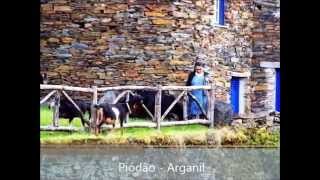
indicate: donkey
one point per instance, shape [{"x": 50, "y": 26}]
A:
[{"x": 69, "y": 111}]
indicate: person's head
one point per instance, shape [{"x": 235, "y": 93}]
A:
[{"x": 199, "y": 67}]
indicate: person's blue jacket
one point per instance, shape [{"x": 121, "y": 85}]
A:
[{"x": 192, "y": 74}]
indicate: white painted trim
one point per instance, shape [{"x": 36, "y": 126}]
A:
[
  {"x": 215, "y": 22},
  {"x": 266, "y": 64},
  {"x": 217, "y": 12},
  {"x": 275, "y": 90},
  {"x": 274, "y": 79},
  {"x": 242, "y": 90},
  {"x": 271, "y": 81},
  {"x": 267, "y": 4},
  {"x": 220, "y": 26},
  {"x": 241, "y": 74}
]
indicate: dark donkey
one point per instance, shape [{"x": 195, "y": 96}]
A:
[
  {"x": 222, "y": 110},
  {"x": 108, "y": 113},
  {"x": 69, "y": 111},
  {"x": 176, "y": 113}
]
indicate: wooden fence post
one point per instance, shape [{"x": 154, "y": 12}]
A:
[
  {"x": 93, "y": 121},
  {"x": 185, "y": 106},
  {"x": 211, "y": 105},
  {"x": 127, "y": 100},
  {"x": 55, "y": 120},
  {"x": 157, "y": 107}
]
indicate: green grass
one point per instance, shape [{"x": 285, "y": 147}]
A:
[
  {"x": 46, "y": 118},
  {"x": 144, "y": 136},
  {"x": 176, "y": 135}
]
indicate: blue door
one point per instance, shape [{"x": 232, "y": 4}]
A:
[
  {"x": 235, "y": 82},
  {"x": 278, "y": 90}
]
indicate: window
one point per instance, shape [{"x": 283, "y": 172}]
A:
[
  {"x": 237, "y": 94},
  {"x": 277, "y": 90},
  {"x": 220, "y": 7}
]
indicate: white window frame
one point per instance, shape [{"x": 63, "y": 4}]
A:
[
  {"x": 217, "y": 12},
  {"x": 215, "y": 22}
]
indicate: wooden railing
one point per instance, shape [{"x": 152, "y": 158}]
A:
[{"x": 156, "y": 116}]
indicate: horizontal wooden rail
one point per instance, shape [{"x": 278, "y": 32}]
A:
[
  {"x": 67, "y": 88},
  {"x": 184, "y": 87},
  {"x": 162, "y": 124},
  {"x": 193, "y": 121},
  {"x": 130, "y": 125},
  {"x": 60, "y": 128},
  {"x": 153, "y": 88},
  {"x": 127, "y": 88}
]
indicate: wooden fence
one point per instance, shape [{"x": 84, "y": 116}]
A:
[{"x": 156, "y": 116}]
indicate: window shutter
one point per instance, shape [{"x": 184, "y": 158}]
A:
[
  {"x": 278, "y": 90},
  {"x": 235, "y": 83}
]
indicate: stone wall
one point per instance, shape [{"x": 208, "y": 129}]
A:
[
  {"x": 120, "y": 42},
  {"x": 232, "y": 46},
  {"x": 265, "y": 48},
  {"x": 148, "y": 42}
]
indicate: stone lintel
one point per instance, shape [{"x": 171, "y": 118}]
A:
[
  {"x": 241, "y": 74},
  {"x": 266, "y": 64}
]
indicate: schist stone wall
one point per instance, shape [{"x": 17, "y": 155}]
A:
[
  {"x": 266, "y": 55},
  {"x": 149, "y": 42}
]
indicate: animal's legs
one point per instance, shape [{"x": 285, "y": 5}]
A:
[
  {"x": 98, "y": 127},
  {"x": 70, "y": 120},
  {"x": 121, "y": 123},
  {"x": 84, "y": 122},
  {"x": 89, "y": 114},
  {"x": 99, "y": 115}
]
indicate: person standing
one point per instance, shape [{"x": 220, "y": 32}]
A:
[{"x": 198, "y": 78}]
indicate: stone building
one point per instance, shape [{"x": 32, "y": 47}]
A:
[{"x": 148, "y": 42}]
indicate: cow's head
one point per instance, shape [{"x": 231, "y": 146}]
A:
[{"x": 135, "y": 101}]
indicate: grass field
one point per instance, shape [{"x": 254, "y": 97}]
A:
[{"x": 175, "y": 135}]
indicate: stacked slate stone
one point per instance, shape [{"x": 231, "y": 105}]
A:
[{"x": 149, "y": 42}]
